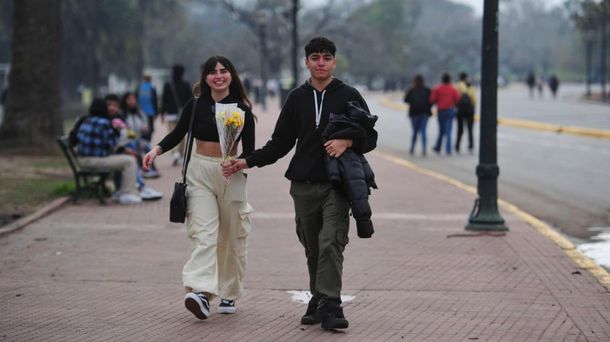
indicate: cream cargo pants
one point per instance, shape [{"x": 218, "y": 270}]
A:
[{"x": 218, "y": 224}]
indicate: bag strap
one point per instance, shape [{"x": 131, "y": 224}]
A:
[
  {"x": 189, "y": 143},
  {"x": 175, "y": 96}
]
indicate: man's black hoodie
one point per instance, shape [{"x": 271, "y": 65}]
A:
[{"x": 297, "y": 123}]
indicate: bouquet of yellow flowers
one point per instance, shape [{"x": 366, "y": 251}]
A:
[{"x": 230, "y": 121}]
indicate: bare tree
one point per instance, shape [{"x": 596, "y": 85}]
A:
[{"x": 32, "y": 106}]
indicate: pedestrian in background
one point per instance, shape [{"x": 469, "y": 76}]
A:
[
  {"x": 465, "y": 111},
  {"x": 176, "y": 93},
  {"x": 128, "y": 145},
  {"x": 137, "y": 124},
  {"x": 530, "y": 80},
  {"x": 418, "y": 99},
  {"x": 217, "y": 217},
  {"x": 445, "y": 97},
  {"x": 147, "y": 100},
  {"x": 554, "y": 85}
]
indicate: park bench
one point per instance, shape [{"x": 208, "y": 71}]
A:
[{"x": 87, "y": 180}]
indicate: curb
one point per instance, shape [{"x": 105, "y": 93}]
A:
[
  {"x": 24, "y": 221},
  {"x": 519, "y": 123},
  {"x": 568, "y": 247}
]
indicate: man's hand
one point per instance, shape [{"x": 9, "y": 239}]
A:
[
  {"x": 336, "y": 147},
  {"x": 232, "y": 166}
]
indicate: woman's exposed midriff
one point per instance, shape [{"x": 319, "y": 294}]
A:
[{"x": 211, "y": 149}]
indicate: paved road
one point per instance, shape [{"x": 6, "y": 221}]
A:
[
  {"x": 562, "y": 179},
  {"x": 567, "y": 109}
]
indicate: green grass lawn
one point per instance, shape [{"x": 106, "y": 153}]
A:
[{"x": 28, "y": 182}]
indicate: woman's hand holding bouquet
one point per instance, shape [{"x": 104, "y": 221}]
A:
[{"x": 230, "y": 121}]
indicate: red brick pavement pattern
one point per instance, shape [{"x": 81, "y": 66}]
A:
[{"x": 112, "y": 273}]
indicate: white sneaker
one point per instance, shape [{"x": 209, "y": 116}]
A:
[
  {"x": 150, "y": 194},
  {"x": 128, "y": 198},
  {"x": 116, "y": 195},
  {"x": 151, "y": 174}
]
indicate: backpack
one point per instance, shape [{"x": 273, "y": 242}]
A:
[
  {"x": 465, "y": 105},
  {"x": 73, "y": 135}
]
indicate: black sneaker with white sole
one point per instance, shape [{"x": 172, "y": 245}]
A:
[
  {"x": 331, "y": 314},
  {"x": 312, "y": 316},
  {"x": 227, "y": 306},
  {"x": 198, "y": 304}
]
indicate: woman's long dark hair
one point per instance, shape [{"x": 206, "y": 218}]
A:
[
  {"x": 418, "y": 82},
  {"x": 201, "y": 88},
  {"x": 124, "y": 106}
]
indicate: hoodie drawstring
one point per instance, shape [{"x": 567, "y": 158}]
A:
[{"x": 318, "y": 110}]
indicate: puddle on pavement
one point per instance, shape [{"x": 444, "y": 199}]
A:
[
  {"x": 303, "y": 297},
  {"x": 597, "y": 247}
]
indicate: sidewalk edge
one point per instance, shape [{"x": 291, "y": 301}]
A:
[
  {"x": 388, "y": 102},
  {"x": 568, "y": 247},
  {"x": 38, "y": 214}
]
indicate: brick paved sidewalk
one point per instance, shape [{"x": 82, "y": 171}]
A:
[{"x": 112, "y": 273}]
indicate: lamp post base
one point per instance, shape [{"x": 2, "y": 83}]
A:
[
  {"x": 486, "y": 218},
  {"x": 487, "y": 226}
]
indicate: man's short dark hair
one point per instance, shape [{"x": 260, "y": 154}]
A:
[
  {"x": 463, "y": 76},
  {"x": 320, "y": 45}
]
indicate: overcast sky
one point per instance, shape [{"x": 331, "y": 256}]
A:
[{"x": 478, "y": 4}]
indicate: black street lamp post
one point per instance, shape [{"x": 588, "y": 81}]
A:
[{"x": 485, "y": 215}]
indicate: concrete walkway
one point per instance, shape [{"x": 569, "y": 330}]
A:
[{"x": 112, "y": 273}]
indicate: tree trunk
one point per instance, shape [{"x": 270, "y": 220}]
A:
[{"x": 32, "y": 117}]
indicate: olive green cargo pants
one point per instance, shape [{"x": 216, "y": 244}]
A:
[{"x": 322, "y": 224}]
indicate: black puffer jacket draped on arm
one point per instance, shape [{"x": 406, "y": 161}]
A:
[{"x": 351, "y": 172}]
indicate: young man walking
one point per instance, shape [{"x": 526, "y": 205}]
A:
[{"x": 322, "y": 212}]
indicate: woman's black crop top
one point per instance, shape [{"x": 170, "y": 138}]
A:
[{"x": 204, "y": 124}]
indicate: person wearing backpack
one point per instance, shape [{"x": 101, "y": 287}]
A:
[
  {"x": 418, "y": 98},
  {"x": 465, "y": 111}
]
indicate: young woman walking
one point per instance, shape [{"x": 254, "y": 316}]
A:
[{"x": 218, "y": 212}]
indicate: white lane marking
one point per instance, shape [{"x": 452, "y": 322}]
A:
[
  {"x": 381, "y": 216},
  {"x": 303, "y": 297}
]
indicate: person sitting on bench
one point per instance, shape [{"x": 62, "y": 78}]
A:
[{"x": 97, "y": 141}]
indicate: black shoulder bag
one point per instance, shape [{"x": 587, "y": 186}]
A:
[{"x": 177, "y": 205}]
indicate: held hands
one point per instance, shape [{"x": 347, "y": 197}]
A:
[
  {"x": 149, "y": 158},
  {"x": 336, "y": 147},
  {"x": 232, "y": 166}
]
